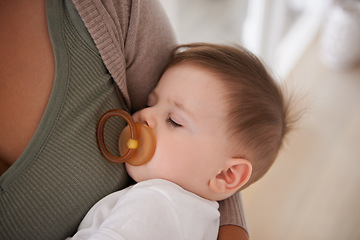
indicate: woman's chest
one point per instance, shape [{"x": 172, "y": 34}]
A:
[{"x": 26, "y": 74}]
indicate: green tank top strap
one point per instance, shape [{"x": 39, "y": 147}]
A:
[{"x": 61, "y": 174}]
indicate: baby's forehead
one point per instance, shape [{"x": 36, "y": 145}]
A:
[{"x": 189, "y": 84}]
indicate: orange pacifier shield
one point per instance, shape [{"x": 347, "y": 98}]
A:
[
  {"x": 136, "y": 142},
  {"x": 146, "y": 144}
]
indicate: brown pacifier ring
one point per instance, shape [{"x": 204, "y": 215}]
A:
[
  {"x": 132, "y": 143},
  {"x": 137, "y": 143}
]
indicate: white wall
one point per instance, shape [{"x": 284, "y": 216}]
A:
[{"x": 278, "y": 31}]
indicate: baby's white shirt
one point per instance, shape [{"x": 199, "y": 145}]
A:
[{"x": 154, "y": 209}]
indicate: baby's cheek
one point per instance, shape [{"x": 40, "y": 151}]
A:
[
  {"x": 129, "y": 170},
  {"x": 136, "y": 172}
]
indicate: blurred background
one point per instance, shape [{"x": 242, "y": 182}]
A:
[{"x": 312, "y": 192}]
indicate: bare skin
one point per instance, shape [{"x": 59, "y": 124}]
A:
[
  {"x": 231, "y": 232},
  {"x": 26, "y": 72}
]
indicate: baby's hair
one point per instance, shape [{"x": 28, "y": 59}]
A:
[{"x": 258, "y": 113}]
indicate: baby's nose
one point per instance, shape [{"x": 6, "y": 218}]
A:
[
  {"x": 136, "y": 116},
  {"x": 147, "y": 116}
]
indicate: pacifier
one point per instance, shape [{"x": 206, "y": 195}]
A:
[{"x": 136, "y": 142}]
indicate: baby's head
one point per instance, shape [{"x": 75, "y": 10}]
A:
[{"x": 219, "y": 119}]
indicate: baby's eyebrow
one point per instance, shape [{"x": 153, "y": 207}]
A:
[
  {"x": 154, "y": 95},
  {"x": 182, "y": 108}
]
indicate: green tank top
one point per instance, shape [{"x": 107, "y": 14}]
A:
[{"x": 61, "y": 174}]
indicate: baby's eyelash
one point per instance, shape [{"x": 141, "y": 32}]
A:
[{"x": 172, "y": 122}]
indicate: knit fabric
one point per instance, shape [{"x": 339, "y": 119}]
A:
[
  {"x": 61, "y": 174},
  {"x": 126, "y": 42}
]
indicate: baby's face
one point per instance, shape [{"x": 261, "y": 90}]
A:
[{"x": 187, "y": 115}]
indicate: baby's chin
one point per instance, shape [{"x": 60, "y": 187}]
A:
[{"x": 138, "y": 173}]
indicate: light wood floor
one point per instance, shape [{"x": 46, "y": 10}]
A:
[{"x": 313, "y": 190}]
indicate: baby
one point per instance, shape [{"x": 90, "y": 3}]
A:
[{"x": 219, "y": 120}]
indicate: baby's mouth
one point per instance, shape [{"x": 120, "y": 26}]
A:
[
  {"x": 137, "y": 142},
  {"x": 144, "y": 146}
]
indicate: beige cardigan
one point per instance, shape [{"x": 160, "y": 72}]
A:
[{"x": 134, "y": 39}]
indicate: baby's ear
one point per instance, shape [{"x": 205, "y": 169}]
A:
[{"x": 236, "y": 173}]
